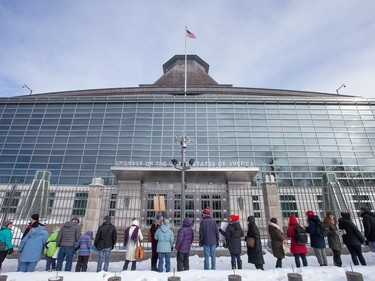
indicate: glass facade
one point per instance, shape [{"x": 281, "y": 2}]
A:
[{"x": 295, "y": 139}]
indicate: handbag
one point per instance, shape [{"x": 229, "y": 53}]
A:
[
  {"x": 2, "y": 246},
  {"x": 286, "y": 249},
  {"x": 139, "y": 252},
  {"x": 250, "y": 242}
]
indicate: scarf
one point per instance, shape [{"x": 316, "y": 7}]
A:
[{"x": 133, "y": 237}]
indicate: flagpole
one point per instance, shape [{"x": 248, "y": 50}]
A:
[{"x": 185, "y": 61}]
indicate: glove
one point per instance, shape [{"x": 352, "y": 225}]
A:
[
  {"x": 10, "y": 251},
  {"x": 48, "y": 244},
  {"x": 367, "y": 243},
  {"x": 172, "y": 248}
]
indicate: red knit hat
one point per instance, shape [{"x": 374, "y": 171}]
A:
[
  {"x": 206, "y": 211},
  {"x": 310, "y": 213},
  {"x": 234, "y": 217},
  {"x": 293, "y": 219}
]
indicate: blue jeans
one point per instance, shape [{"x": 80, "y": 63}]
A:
[
  {"x": 372, "y": 246},
  {"x": 209, "y": 250},
  {"x": 26, "y": 266},
  {"x": 67, "y": 253},
  {"x": 106, "y": 252},
  {"x": 167, "y": 257}
]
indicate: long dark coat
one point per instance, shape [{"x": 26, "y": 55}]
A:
[
  {"x": 369, "y": 225},
  {"x": 254, "y": 255},
  {"x": 233, "y": 235},
  {"x": 277, "y": 238},
  {"x": 352, "y": 235}
]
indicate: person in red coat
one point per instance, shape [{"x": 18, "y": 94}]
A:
[{"x": 298, "y": 250}]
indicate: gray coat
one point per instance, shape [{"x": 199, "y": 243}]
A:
[{"x": 69, "y": 234}]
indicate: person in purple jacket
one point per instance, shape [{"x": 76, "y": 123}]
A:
[
  {"x": 208, "y": 238},
  {"x": 185, "y": 237},
  {"x": 83, "y": 247}
]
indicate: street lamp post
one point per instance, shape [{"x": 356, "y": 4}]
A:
[{"x": 183, "y": 167}]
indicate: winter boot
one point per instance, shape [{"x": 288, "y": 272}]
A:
[
  {"x": 233, "y": 262},
  {"x": 239, "y": 264},
  {"x": 126, "y": 264}
]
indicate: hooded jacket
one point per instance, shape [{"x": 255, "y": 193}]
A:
[
  {"x": 85, "y": 244},
  {"x": 277, "y": 238},
  {"x": 51, "y": 247},
  {"x": 315, "y": 241},
  {"x": 352, "y": 235},
  {"x": 185, "y": 237},
  {"x": 255, "y": 254},
  {"x": 295, "y": 248},
  {"x": 233, "y": 235},
  {"x": 6, "y": 237},
  {"x": 165, "y": 238},
  {"x": 31, "y": 246},
  {"x": 369, "y": 224}
]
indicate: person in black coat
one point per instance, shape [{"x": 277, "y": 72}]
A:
[
  {"x": 353, "y": 239},
  {"x": 254, "y": 254},
  {"x": 368, "y": 220},
  {"x": 233, "y": 235},
  {"x": 105, "y": 241}
]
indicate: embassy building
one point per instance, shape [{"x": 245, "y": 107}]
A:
[{"x": 156, "y": 148}]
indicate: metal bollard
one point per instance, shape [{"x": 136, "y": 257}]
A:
[
  {"x": 3, "y": 277},
  {"x": 114, "y": 278},
  {"x": 56, "y": 278},
  {"x": 353, "y": 276},
  {"x": 174, "y": 278},
  {"x": 234, "y": 277},
  {"x": 294, "y": 277}
]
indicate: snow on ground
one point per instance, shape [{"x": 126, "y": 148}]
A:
[{"x": 196, "y": 273}]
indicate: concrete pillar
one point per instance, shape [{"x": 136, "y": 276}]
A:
[
  {"x": 271, "y": 198},
  {"x": 94, "y": 203}
]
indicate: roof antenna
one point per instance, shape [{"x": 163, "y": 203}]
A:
[
  {"x": 25, "y": 86},
  {"x": 337, "y": 90}
]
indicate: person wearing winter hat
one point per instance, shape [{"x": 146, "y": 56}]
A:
[
  {"x": 233, "y": 234},
  {"x": 277, "y": 240},
  {"x": 83, "y": 247},
  {"x": 132, "y": 237},
  {"x": 298, "y": 250},
  {"x": 50, "y": 249},
  {"x": 352, "y": 238},
  {"x": 34, "y": 222},
  {"x": 66, "y": 239},
  {"x": 157, "y": 221},
  {"x": 208, "y": 238},
  {"x": 165, "y": 237},
  {"x": 105, "y": 241},
  {"x": 317, "y": 243},
  {"x": 185, "y": 238},
  {"x": 368, "y": 221},
  {"x": 6, "y": 237},
  {"x": 334, "y": 237}
]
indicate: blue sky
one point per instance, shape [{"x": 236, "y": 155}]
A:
[{"x": 89, "y": 44}]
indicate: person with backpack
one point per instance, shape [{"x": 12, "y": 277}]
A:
[
  {"x": 334, "y": 239},
  {"x": 233, "y": 234},
  {"x": 298, "y": 241},
  {"x": 277, "y": 241},
  {"x": 317, "y": 230},
  {"x": 353, "y": 238},
  {"x": 6, "y": 238},
  {"x": 185, "y": 238},
  {"x": 368, "y": 221}
]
